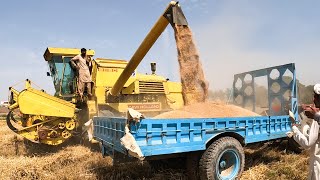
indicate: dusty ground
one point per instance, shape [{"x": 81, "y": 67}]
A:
[
  {"x": 3, "y": 112},
  {"x": 76, "y": 161}
]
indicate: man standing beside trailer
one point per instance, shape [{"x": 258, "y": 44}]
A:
[{"x": 311, "y": 140}]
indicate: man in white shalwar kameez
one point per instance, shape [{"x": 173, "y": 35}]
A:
[
  {"x": 80, "y": 62},
  {"x": 311, "y": 140}
]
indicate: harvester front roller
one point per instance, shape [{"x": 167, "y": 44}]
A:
[
  {"x": 43, "y": 118},
  {"x": 51, "y": 131}
]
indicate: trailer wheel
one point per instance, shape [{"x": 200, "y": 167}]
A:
[{"x": 223, "y": 159}]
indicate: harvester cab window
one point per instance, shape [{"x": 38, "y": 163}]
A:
[
  {"x": 54, "y": 65},
  {"x": 63, "y": 75},
  {"x": 69, "y": 77}
]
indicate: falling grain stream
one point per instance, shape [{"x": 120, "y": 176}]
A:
[{"x": 194, "y": 85}]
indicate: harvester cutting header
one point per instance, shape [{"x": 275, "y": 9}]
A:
[{"x": 115, "y": 88}]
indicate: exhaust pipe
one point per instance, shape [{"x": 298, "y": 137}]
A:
[{"x": 153, "y": 68}]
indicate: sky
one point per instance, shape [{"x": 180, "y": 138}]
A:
[{"x": 232, "y": 36}]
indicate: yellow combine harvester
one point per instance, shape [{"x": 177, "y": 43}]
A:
[{"x": 116, "y": 87}]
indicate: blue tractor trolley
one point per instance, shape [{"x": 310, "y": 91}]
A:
[{"x": 215, "y": 145}]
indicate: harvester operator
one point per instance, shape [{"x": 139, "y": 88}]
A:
[
  {"x": 310, "y": 140},
  {"x": 81, "y": 62}
]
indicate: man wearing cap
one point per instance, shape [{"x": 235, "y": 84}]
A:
[
  {"x": 310, "y": 139},
  {"x": 80, "y": 63}
]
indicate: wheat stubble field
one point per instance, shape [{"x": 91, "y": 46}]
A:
[{"x": 24, "y": 161}]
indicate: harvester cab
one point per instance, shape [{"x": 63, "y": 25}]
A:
[{"x": 63, "y": 74}]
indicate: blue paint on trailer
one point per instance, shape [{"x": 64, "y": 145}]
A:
[{"x": 167, "y": 136}]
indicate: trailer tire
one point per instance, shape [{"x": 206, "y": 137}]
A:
[{"x": 223, "y": 159}]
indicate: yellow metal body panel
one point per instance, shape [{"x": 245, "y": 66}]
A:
[
  {"x": 106, "y": 71},
  {"x": 100, "y": 93},
  {"x": 50, "y": 51},
  {"x": 174, "y": 95},
  {"x": 92, "y": 108},
  {"x": 173, "y": 87},
  {"x": 35, "y": 102},
  {"x": 153, "y": 78},
  {"x": 103, "y": 62}
]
